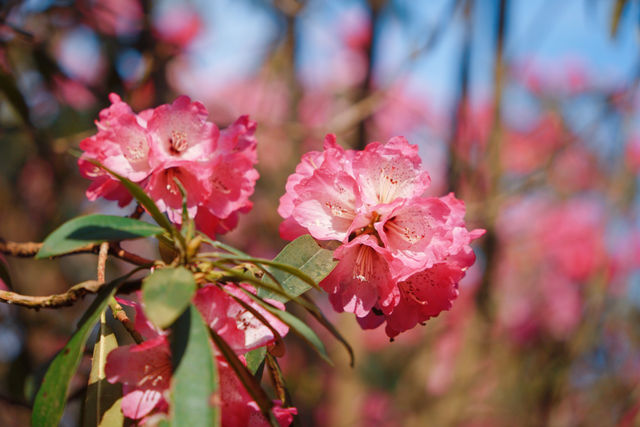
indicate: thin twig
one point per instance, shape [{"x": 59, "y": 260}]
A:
[
  {"x": 102, "y": 261},
  {"x": 52, "y": 301},
  {"x": 276, "y": 378},
  {"x": 30, "y": 249},
  {"x": 136, "y": 214},
  {"x": 121, "y": 316},
  {"x": 117, "y": 310},
  {"x": 483, "y": 295}
]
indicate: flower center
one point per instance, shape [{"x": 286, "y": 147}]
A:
[
  {"x": 219, "y": 185},
  {"x": 409, "y": 235},
  {"x": 363, "y": 270},
  {"x": 171, "y": 186},
  {"x": 387, "y": 184},
  {"x": 369, "y": 229},
  {"x": 177, "y": 142},
  {"x": 339, "y": 210},
  {"x": 136, "y": 151}
]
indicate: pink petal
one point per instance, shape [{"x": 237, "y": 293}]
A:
[
  {"x": 147, "y": 365},
  {"x": 361, "y": 278},
  {"x": 180, "y": 131},
  {"x": 237, "y": 325},
  {"x": 138, "y": 403},
  {"x": 390, "y": 171},
  {"x": 327, "y": 204}
]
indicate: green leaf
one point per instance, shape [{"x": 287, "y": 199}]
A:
[
  {"x": 263, "y": 263},
  {"x": 138, "y": 193},
  {"x": 255, "y": 358},
  {"x": 195, "y": 378},
  {"x": 305, "y": 255},
  {"x": 224, "y": 246},
  {"x": 51, "y": 397},
  {"x": 102, "y": 401},
  {"x": 186, "y": 221},
  {"x": 269, "y": 286},
  {"x": 84, "y": 230},
  {"x": 320, "y": 317},
  {"x": 166, "y": 294}
]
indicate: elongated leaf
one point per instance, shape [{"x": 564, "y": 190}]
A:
[
  {"x": 195, "y": 377},
  {"x": 297, "y": 325},
  {"x": 224, "y": 246},
  {"x": 255, "y": 358},
  {"x": 102, "y": 401},
  {"x": 83, "y": 230},
  {"x": 188, "y": 224},
  {"x": 51, "y": 397},
  {"x": 285, "y": 268},
  {"x": 277, "y": 379},
  {"x": 250, "y": 383},
  {"x": 138, "y": 193},
  {"x": 320, "y": 317},
  {"x": 268, "y": 286},
  {"x": 305, "y": 255},
  {"x": 166, "y": 294}
]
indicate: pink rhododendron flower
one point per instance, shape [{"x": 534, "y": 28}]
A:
[
  {"x": 238, "y": 409},
  {"x": 174, "y": 141},
  {"x": 240, "y": 328},
  {"x": 392, "y": 237},
  {"x": 73, "y": 93},
  {"x": 632, "y": 151},
  {"x": 114, "y": 17},
  {"x": 145, "y": 373},
  {"x": 572, "y": 235},
  {"x": 524, "y": 151},
  {"x": 549, "y": 250},
  {"x": 362, "y": 279},
  {"x": 177, "y": 24},
  {"x": 574, "y": 169},
  {"x": 145, "y": 369}
]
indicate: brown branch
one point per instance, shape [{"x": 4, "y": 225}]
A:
[
  {"x": 483, "y": 295},
  {"x": 30, "y": 249},
  {"x": 137, "y": 213},
  {"x": 118, "y": 313},
  {"x": 52, "y": 301},
  {"x": 22, "y": 250},
  {"x": 276, "y": 378},
  {"x": 102, "y": 261},
  {"x": 121, "y": 316}
]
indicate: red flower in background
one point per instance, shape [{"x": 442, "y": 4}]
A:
[{"x": 549, "y": 252}]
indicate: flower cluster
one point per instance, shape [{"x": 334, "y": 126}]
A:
[
  {"x": 549, "y": 252},
  {"x": 176, "y": 141},
  {"x": 401, "y": 254},
  {"x": 145, "y": 369}
]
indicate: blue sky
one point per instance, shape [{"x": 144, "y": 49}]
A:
[{"x": 552, "y": 33}]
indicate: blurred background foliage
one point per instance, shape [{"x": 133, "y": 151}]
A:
[{"x": 527, "y": 110}]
